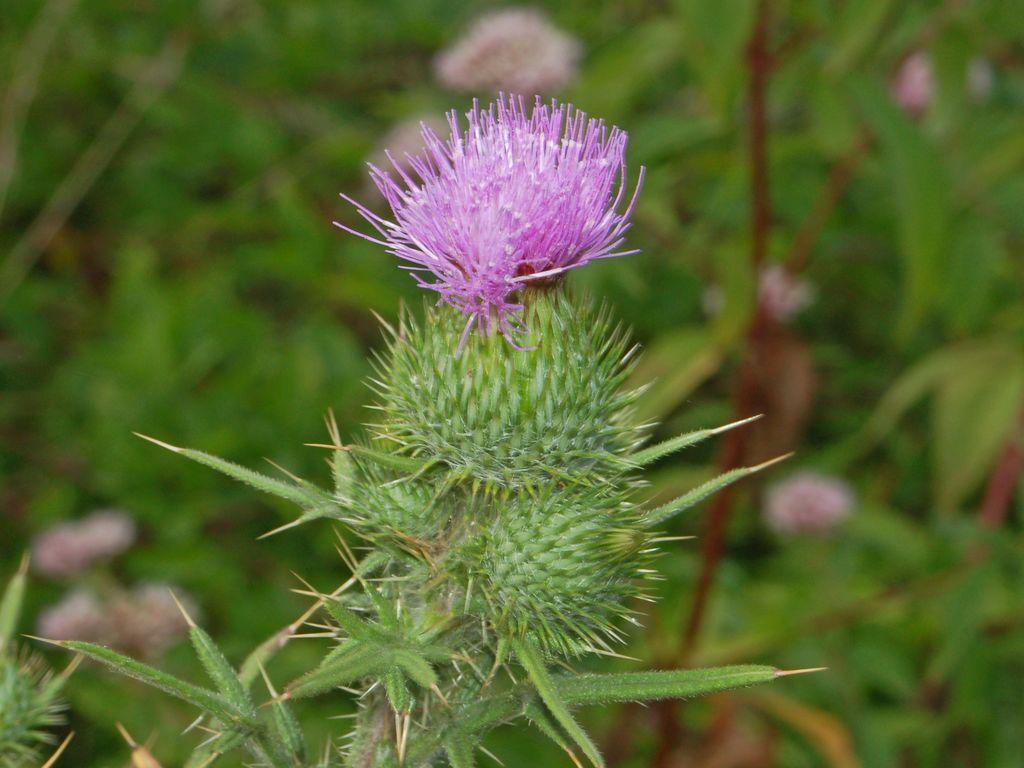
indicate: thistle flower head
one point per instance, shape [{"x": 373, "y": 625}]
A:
[
  {"x": 521, "y": 196},
  {"x": 807, "y": 502},
  {"x": 515, "y": 49}
]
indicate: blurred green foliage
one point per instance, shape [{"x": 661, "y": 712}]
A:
[{"x": 198, "y": 293}]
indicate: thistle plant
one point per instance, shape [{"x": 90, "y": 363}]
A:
[
  {"x": 497, "y": 495},
  {"x": 29, "y": 692}
]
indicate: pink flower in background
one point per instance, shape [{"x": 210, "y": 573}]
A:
[
  {"x": 142, "y": 622},
  {"x": 807, "y": 502},
  {"x": 146, "y": 621},
  {"x": 61, "y": 551},
  {"x": 781, "y": 294},
  {"x": 108, "y": 532},
  {"x": 78, "y": 616},
  {"x": 515, "y": 50},
  {"x": 913, "y": 85},
  {"x": 69, "y": 548},
  {"x": 521, "y": 196}
]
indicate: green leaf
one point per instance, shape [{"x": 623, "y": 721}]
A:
[
  {"x": 579, "y": 690},
  {"x": 220, "y": 671},
  {"x": 207, "y": 755},
  {"x": 537, "y": 715},
  {"x": 857, "y": 28},
  {"x": 677, "y": 362},
  {"x": 653, "y": 453},
  {"x": 532, "y": 662},
  {"x": 910, "y": 387},
  {"x": 352, "y": 661},
  {"x": 288, "y": 730},
  {"x": 924, "y": 207},
  {"x": 644, "y": 50},
  {"x": 305, "y": 495},
  {"x": 206, "y": 700},
  {"x": 701, "y": 492},
  {"x": 714, "y": 33},
  {"x": 357, "y": 628},
  {"x": 10, "y": 605},
  {"x": 483, "y": 715},
  {"x": 415, "y": 666},
  {"x": 391, "y": 460},
  {"x": 398, "y": 692},
  {"x": 976, "y": 409},
  {"x": 459, "y": 749}
]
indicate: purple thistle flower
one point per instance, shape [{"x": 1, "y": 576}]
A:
[{"x": 519, "y": 197}]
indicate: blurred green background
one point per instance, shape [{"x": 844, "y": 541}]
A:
[{"x": 168, "y": 174}]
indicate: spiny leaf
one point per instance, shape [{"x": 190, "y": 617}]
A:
[
  {"x": 357, "y": 628},
  {"x": 10, "y": 605},
  {"x": 211, "y": 750},
  {"x": 217, "y": 667},
  {"x": 415, "y": 666},
  {"x": 357, "y": 660},
  {"x": 204, "y": 699},
  {"x": 701, "y": 492},
  {"x": 532, "y": 662},
  {"x": 653, "y": 453},
  {"x": 481, "y": 716},
  {"x": 286, "y": 726},
  {"x": 578, "y": 690},
  {"x": 304, "y": 495},
  {"x": 540, "y": 718},
  {"x": 397, "y": 689},
  {"x": 459, "y": 749},
  {"x": 391, "y": 460}
]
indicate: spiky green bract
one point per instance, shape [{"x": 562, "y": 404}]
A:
[
  {"x": 497, "y": 416},
  {"x": 230, "y": 713},
  {"x": 28, "y": 707},
  {"x": 385, "y": 504},
  {"x": 560, "y": 565},
  {"x": 29, "y": 703},
  {"x": 495, "y": 502}
]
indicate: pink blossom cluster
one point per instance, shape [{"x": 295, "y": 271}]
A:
[
  {"x": 516, "y": 50},
  {"x": 912, "y": 87},
  {"x": 69, "y": 548},
  {"x": 781, "y": 294},
  {"x": 142, "y": 622},
  {"x": 807, "y": 502}
]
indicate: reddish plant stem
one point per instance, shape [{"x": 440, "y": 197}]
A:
[
  {"x": 746, "y": 392},
  {"x": 1007, "y": 473},
  {"x": 838, "y": 180}
]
